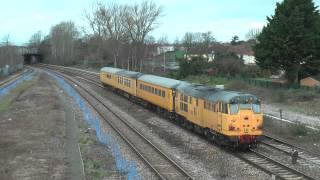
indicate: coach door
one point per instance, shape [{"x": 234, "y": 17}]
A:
[
  {"x": 220, "y": 117},
  {"x": 174, "y": 99}
]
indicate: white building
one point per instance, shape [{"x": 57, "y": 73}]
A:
[
  {"x": 248, "y": 59},
  {"x": 164, "y": 49}
]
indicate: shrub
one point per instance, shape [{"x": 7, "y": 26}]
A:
[
  {"x": 298, "y": 129},
  {"x": 280, "y": 96},
  {"x": 237, "y": 85},
  {"x": 306, "y": 96}
]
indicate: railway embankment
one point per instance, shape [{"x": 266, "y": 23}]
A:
[{"x": 44, "y": 134}]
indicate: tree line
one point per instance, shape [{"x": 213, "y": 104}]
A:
[
  {"x": 116, "y": 34},
  {"x": 119, "y": 35},
  {"x": 9, "y": 56}
]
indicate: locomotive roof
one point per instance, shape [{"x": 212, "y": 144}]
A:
[
  {"x": 110, "y": 70},
  {"x": 160, "y": 81},
  {"x": 215, "y": 94},
  {"x": 129, "y": 74}
]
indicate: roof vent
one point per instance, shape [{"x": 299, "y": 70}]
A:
[{"x": 220, "y": 86}]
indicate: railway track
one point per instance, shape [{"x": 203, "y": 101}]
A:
[
  {"x": 160, "y": 163},
  {"x": 305, "y": 157},
  {"x": 14, "y": 78},
  {"x": 254, "y": 158},
  {"x": 272, "y": 166}
]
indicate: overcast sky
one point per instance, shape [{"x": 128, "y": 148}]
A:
[{"x": 225, "y": 18}]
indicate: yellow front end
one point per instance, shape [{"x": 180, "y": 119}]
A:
[
  {"x": 246, "y": 122},
  {"x": 243, "y": 123}
]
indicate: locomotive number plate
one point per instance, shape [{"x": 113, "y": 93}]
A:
[{"x": 246, "y": 130}]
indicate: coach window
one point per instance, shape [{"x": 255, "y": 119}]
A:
[
  {"x": 197, "y": 101},
  {"x": 185, "y": 98},
  {"x": 163, "y": 94},
  {"x": 190, "y": 100}
]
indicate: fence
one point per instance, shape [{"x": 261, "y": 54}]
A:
[
  {"x": 10, "y": 60},
  {"x": 7, "y": 69},
  {"x": 278, "y": 85}
]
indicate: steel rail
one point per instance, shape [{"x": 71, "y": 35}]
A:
[
  {"x": 271, "y": 166},
  {"x": 131, "y": 144},
  {"x": 11, "y": 80},
  {"x": 283, "y": 170}
]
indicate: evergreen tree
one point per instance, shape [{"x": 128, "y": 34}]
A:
[
  {"x": 234, "y": 40},
  {"x": 291, "y": 40}
]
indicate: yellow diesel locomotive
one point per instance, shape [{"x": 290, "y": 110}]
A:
[{"x": 225, "y": 117}]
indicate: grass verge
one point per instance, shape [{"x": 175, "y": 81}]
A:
[{"x": 6, "y": 100}]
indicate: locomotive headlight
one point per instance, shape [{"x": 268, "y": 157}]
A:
[{"x": 232, "y": 128}]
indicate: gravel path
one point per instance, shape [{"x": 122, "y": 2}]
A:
[{"x": 273, "y": 110}]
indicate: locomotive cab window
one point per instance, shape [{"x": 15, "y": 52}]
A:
[
  {"x": 234, "y": 108},
  {"x": 256, "y": 108},
  {"x": 245, "y": 106}
]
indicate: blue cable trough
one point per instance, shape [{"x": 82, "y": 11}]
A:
[
  {"x": 124, "y": 166},
  {"x": 5, "y": 90}
]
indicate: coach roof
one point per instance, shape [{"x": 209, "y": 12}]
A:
[
  {"x": 160, "y": 81},
  {"x": 129, "y": 74},
  {"x": 196, "y": 90},
  {"x": 110, "y": 70},
  {"x": 215, "y": 94}
]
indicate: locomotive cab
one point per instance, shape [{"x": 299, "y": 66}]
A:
[{"x": 245, "y": 120}]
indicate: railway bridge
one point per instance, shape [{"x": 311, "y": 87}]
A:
[{"x": 30, "y": 55}]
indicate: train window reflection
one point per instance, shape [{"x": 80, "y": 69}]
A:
[
  {"x": 234, "y": 108},
  {"x": 245, "y": 106},
  {"x": 256, "y": 108}
]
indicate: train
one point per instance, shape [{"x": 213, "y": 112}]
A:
[{"x": 225, "y": 117}]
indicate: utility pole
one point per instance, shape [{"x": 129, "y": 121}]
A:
[{"x": 164, "y": 61}]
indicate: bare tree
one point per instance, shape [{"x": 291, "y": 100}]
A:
[
  {"x": 123, "y": 29},
  {"x": 163, "y": 40},
  {"x": 62, "y": 39},
  {"x": 6, "y": 40},
  {"x": 36, "y": 39},
  {"x": 198, "y": 43},
  {"x": 106, "y": 23},
  {"x": 9, "y": 55},
  {"x": 252, "y": 34},
  {"x": 139, "y": 21}
]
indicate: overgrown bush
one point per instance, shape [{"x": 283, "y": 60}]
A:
[
  {"x": 298, "y": 129},
  {"x": 306, "y": 95},
  {"x": 237, "y": 85},
  {"x": 280, "y": 96},
  {"x": 197, "y": 65}
]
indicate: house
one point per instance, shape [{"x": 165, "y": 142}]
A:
[
  {"x": 164, "y": 48},
  {"x": 243, "y": 51},
  {"x": 311, "y": 81}
]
